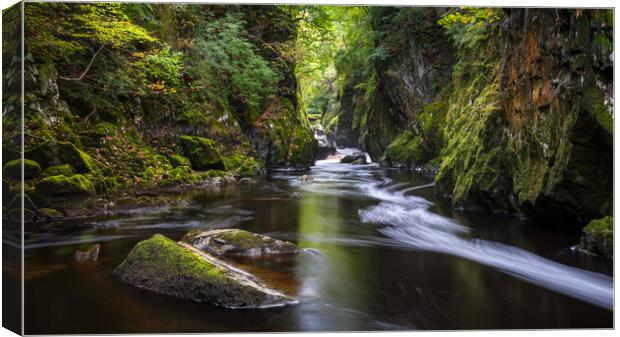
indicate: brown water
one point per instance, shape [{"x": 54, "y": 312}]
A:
[{"x": 379, "y": 255}]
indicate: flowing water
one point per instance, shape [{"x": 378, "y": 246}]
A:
[{"x": 381, "y": 252}]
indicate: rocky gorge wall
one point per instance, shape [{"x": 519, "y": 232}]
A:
[
  {"x": 546, "y": 127},
  {"x": 512, "y": 108}
]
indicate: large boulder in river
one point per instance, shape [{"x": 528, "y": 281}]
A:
[
  {"x": 237, "y": 242},
  {"x": 181, "y": 270},
  {"x": 355, "y": 157},
  {"x": 202, "y": 153},
  {"x": 598, "y": 237}
]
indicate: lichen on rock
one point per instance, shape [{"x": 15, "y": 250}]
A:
[{"x": 237, "y": 242}]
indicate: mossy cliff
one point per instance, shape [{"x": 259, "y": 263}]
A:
[
  {"x": 513, "y": 106},
  {"x": 531, "y": 130}
]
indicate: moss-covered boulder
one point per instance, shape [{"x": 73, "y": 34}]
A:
[
  {"x": 63, "y": 188},
  {"x": 59, "y": 170},
  {"x": 177, "y": 160},
  {"x": 13, "y": 169},
  {"x": 53, "y": 153},
  {"x": 236, "y": 242},
  {"x": 598, "y": 237},
  {"x": 243, "y": 166},
  {"x": 181, "y": 270},
  {"x": 202, "y": 153}
]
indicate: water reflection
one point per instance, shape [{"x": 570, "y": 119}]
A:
[{"x": 380, "y": 253}]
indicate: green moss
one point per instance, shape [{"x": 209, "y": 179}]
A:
[
  {"x": 13, "y": 169},
  {"x": 181, "y": 174},
  {"x": 177, "y": 160},
  {"x": 56, "y": 153},
  {"x": 406, "y": 149},
  {"x": 162, "y": 257},
  {"x": 598, "y": 237},
  {"x": 242, "y": 165},
  {"x": 64, "y": 170},
  {"x": 476, "y": 166},
  {"x": 603, "y": 113},
  {"x": 202, "y": 153},
  {"x": 603, "y": 225},
  {"x": 62, "y": 187}
]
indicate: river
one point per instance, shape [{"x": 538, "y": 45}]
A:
[{"x": 381, "y": 252}]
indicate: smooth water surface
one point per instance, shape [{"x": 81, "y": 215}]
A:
[{"x": 380, "y": 253}]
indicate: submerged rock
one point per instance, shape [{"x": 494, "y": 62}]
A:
[
  {"x": 305, "y": 177},
  {"x": 236, "y": 242},
  {"x": 598, "y": 237},
  {"x": 181, "y": 270},
  {"x": 90, "y": 255},
  {"x": 49, "y": 214}
]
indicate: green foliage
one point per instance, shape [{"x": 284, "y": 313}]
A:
[
  {"x": 162, "y": 67},
  {"x": 225, "y": 64},
  {"x": 469, "y": 26}
]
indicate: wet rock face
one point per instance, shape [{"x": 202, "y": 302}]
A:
[
  {"x": 533, "y": 133},
  {"x": 418, "y": 67},
  {"x": 236, "y": 242},
  {"x": 556, "y": 89},
  {"x": 181, "y": 270},
  {"x": 326, "y": 145}
]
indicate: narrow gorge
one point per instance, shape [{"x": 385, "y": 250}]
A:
[{"x": 337, "y": 167}]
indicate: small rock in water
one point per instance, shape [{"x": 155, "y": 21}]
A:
[
  {"x": 90, "y": 255},
  {"x": 236, "y": 242},
  {"x": 246, "y": 181},
  {"x": 305, "y": 177},
  {"x": 361, "y": 161}
]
